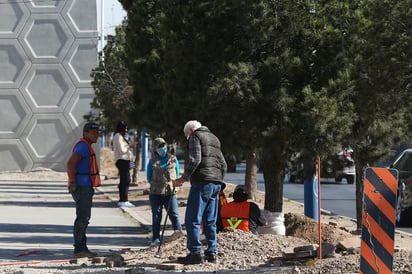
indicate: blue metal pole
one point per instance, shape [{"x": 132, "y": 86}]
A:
[
  {"x": 311, "y": 196},
  {"x": 144, "y": 141},
  {"x": 102, "y": 140}
]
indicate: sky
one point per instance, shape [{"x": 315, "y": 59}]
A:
[{"x": 113, "y": 16}]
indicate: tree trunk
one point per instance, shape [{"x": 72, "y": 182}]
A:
[
  {"x": 274, "y": 175},
  {"x": 359, "y": 190},
  {"x": 251, "y": 174},
  {"x": 360, "y": 165}
]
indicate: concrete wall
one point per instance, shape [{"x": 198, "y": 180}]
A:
[{"x": 47, "y": 51}]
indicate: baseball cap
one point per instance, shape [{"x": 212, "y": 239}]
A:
[
  {"x": 241, "y": 189},
  {"x": 90, "y": 126},
  {"x": 158, "y": 141}
]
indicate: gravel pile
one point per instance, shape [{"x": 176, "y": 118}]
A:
[{"x": 239, "y": 252}]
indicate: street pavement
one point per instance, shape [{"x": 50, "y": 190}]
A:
[{"x": 36, "y": 223}]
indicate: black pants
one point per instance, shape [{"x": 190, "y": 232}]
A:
[{"x": 124, "y": 172}]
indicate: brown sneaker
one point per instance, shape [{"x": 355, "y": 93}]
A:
[
  {"x": 176, "y": 235},
  {"x": 85, "y": 253}
]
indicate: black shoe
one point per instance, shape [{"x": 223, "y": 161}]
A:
[
  {"x": 211, "y": 257},
  {"x": 190, "y": 259}
]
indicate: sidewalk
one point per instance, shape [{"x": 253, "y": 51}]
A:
[
  {"x": 142, "y": 211},
  {"x": 37, "y": 222}
]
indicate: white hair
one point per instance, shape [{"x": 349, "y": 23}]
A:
[{"x": 193, "y": 124}]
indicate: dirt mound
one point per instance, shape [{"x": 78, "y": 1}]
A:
[{"x": 304, "y": 227}]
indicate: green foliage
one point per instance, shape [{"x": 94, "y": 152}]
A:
[
  {"x": 111, "y": 82},
  {"x": 145, "y": 55},
  {"x": 284, "y": 77},
  {"x": 380, "y": 68}
]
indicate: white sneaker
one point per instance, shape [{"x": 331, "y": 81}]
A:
[{"x": 127, "y": 204}]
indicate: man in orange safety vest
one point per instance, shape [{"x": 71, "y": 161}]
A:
[{"x": 241, "y": 214}]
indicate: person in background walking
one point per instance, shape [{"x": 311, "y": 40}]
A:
[
  {"x": 83, "y": 174},
  {"x": 122, "y": 158},
  {"x": 241, "y": 214},
  {"x": 162, "y": 169},
  {"x": 205, "y": 168}
]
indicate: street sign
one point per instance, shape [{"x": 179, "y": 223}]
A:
[{"x": 378, "y": 220}]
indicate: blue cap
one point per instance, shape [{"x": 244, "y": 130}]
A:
[{"x": 90, "y": 126}]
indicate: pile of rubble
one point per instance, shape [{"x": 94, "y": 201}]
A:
[{"x": 247, "y": 252}]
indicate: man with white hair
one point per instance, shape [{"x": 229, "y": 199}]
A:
[{"x": 205, "y": 168}]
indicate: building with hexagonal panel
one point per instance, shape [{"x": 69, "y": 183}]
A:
[{"x": 47, "y": 51}]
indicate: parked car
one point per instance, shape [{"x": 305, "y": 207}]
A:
[
  {"x": 404, "y": 196},
  {"x": 347, "y": 169},
  {"x": 339, "y": 166}
]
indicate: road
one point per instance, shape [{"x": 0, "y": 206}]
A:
[{"x": 338, "y": 198}]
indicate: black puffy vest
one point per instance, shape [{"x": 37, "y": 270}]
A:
[{"x": 210, "y": 167}]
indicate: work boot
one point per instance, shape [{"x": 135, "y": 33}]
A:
[
  {"x": 190, "y": 259},
  {"x": 211, "y": 257}
]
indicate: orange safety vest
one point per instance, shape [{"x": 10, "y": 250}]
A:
[
  {"x": 94, "y": 169},
  {"x": 236, "y": 215}
]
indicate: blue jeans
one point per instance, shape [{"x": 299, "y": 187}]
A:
[
  {"x": 83, "y": 197},
  {"x": 158, "y": 202},
  {"x": 202, "y": 206}
]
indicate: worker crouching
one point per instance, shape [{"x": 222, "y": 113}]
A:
[{"x": 241, "y": 214}]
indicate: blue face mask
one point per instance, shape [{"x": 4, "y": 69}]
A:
[{"x": 162, "y": 151}]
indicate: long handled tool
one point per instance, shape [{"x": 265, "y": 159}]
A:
[{"x": 164, "y": 225}]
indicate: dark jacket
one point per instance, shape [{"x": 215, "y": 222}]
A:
[{"x": 212, "y": 166}]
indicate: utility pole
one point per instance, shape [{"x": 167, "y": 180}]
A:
[{"x": 102, "y": 28}]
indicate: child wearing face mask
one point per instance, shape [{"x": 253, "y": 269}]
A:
[{"x": 162, "y": 169}]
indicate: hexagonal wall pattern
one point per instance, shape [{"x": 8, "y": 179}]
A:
[
  {"x": 47, "y": 88},
  {"x": 80, "y": 60},
  {"x": 14, "y": 113},
  {"x": 46, "y": 38},
  {"x": 79, "y": 103},
  {"x": 13, "y": 63},
  {"x": 47, "y": 51},
  {"x": 55, "y": 129},
  {"x": 13, "y": 16},
  {"x": 13, "y": 156},
  {"x": 45, "y": 6},
  {"x": 80, "y": 16}
]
